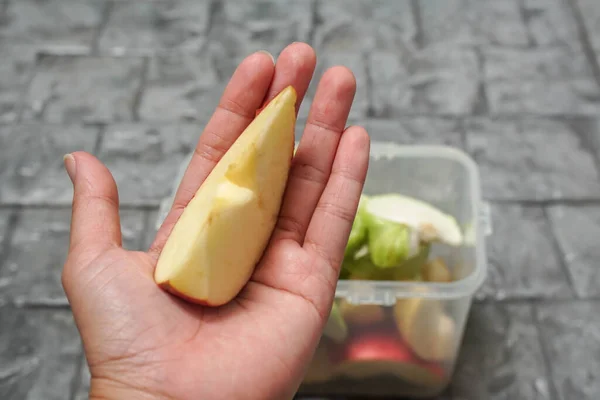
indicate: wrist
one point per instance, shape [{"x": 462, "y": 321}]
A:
[{"x": 108, "y": 389}]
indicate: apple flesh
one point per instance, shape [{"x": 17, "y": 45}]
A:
[
  {"x": 429, "y": 332},
  {"x": 381, "y": 353},
  {"x": 223, "y": 231},
  {"x": 361, "y": 314},
  {"x": 436, "y": 270},
  {"x": 431, "y": 224}
]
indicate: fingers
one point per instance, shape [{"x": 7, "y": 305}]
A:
[
  {"x": 242, "y": 96},
  {"x": 95, "y": 223},
  {"x": 254, "y": 81},
  {"x": 295, "y": 66},
  {"x": 315, "y": 155},
  {"x": 331, "y": 222}
]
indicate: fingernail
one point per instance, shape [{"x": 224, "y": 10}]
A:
[
  {"x": 70, "y": 166},
  {"x": 269, "y": 54}
]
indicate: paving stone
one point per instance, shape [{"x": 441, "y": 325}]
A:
[
  {"x": 83, "y": 387},
  {"x": 473, "y": 22},
  {"x": 522, "y": 42},
  {"x": 39, "y": 350},
  {"x": 570, "y": 97},
  {"x": 577, "y": 230},
  {"x": 16, "y": 68},
  {"x": 531, "y": 159},
  {"x": 4, "y": 218},
  {"x": 52, "y": 22},
  {"x": 550, "y": 23},
  {"x": 544, "y": 64},
  {"x": 590, "y": 13},
  {"x": 31, "y": 161},
  {"x": 38, "y": 250},
  {"x": 522, "y": 259},
  {"x": 132, "y": 228},
  {"x": 181, "y": 86},
  {"x": 550, "y": 77},
  {"x": 357, "y": 64},
  {"x": 511, "y": 23},
  {"x": 571, "y": 335},
  {"x": 501, "y": 357},
  {"x": 241, "y": 27},
  {"x": 151, "y": 229},
  {"x": 415, "y": 131},
  {"x": 144, "y": 159},
  {"x": 543, "y": 81},
  {"x": 589, "y": 129},
  {"x": 438, "y": 80},
  {"x": 384, "y": 25},
  {"x": 89, "y": 89},
  {"x": 145, "y": 26}
]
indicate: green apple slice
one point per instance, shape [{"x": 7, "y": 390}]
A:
[
  {"x": 430, "y": 222},
  {"x": 336, "y": 328},
  {"x": 390, "y": 243},
  {"x": 358, "y": 233}
]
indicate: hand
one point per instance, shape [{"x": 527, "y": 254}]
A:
[{"x": 143, "y": 343}]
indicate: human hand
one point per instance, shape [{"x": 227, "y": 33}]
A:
[{"x": 141, "y": 342}]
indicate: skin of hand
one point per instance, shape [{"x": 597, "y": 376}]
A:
[{"x": 141, "y": 342}]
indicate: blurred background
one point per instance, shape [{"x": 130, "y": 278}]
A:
[{"x": 515, "y": 83}]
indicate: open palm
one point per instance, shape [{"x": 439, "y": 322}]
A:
[{"x": 141, "y": 342}]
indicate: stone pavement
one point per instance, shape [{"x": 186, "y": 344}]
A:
[{"x": 516, "y": 83}]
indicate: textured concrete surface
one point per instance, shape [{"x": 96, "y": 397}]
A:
[{"x": 515, "y": 83}]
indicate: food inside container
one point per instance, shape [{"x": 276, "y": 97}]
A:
[
  {"x": 391, "y": 239},
  {"x": 411, "y": 342}
]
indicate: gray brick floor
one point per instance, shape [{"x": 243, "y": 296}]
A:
[{"x": 516, "y": 83}]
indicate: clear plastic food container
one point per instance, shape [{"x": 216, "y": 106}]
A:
[{"x": 402, "y": 338}]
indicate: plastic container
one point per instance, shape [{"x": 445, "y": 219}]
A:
[{"x": 402, "y": 338}]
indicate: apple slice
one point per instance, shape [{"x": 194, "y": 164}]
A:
[
  {"x": 381, "y": 353},
  {"x": 361, "y": 314},
  {"x": 429, "y": 332},
  {"x": 429, "y": 222},
  {"x": 222, "y": 233},
  {"x": 362, "y": 267},
  {"x": 358, "y": 233},
  {"x": 436, "y": 270}
]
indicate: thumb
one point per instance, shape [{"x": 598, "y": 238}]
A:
[{"x": 95, "y": 224}]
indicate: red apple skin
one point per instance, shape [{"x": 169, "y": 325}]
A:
[
  {"x": 377, "y": 346},
  {"x": 386, "y": 347},
  {"x": 167, "y": 286}
]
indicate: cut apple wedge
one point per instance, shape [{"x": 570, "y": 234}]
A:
[
  {"x": 381, "y": 353},
  {"x": 425, "y": 327},
  {"x": 436, "y": 270},
  {"x": 223, "y": 231},
  {"x": 361, "y": 314},
  {"x": 429, "y": 222},
  {"x": 363, "y": 268},
  {"x": 358, "y": 233}
]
